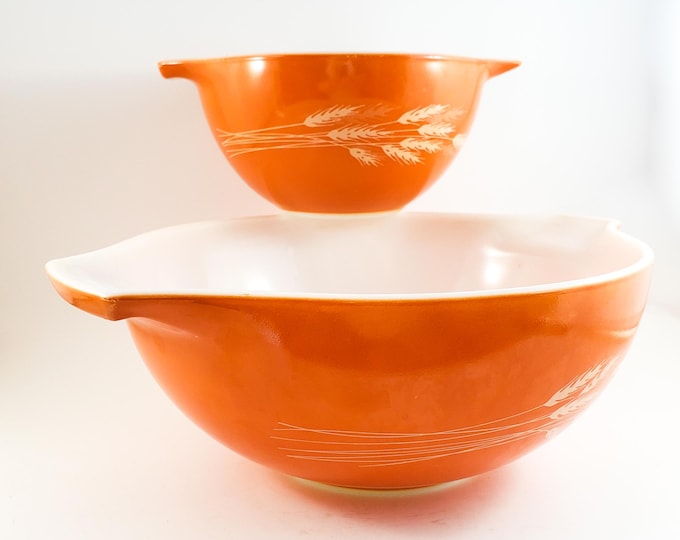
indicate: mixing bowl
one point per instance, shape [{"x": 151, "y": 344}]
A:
[
  {"x": 384, "y": 351},
  {"x": 339, "y": 133}
]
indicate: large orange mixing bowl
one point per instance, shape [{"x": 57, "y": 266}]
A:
[
  {"x": 339, "y": 133},
  {"x": 389, "y": 351}
]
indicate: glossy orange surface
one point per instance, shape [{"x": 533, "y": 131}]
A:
[
  {"x": 382, "y": 394},
  {"x": 339, "y": 133}
]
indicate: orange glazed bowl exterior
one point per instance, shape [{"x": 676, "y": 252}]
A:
[
  {"x": 339, "y": 133},
  {"x": 403, "y": 351}
]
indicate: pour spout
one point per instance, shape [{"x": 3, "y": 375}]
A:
[{"x": 498, "y": 67}]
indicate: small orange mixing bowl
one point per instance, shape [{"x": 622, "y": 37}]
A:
[
  {"x": 339, "y": 133},
  {"x": 384, "y": 351}
]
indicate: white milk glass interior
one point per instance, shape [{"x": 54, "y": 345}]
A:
[{"x": 397, "y": 254}]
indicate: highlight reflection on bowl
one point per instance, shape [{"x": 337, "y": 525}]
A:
[{"x": 386, "y": 351}]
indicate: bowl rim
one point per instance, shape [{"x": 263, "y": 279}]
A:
[
  {"x": 168, "y": 66},
  {"x": 340, "y": 54},
  {"x": 58, "y": 272}
]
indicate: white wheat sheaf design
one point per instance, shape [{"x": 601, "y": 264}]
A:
[
  {"x": 369, "y": 134},
  {"x": 373, "y": 449}
]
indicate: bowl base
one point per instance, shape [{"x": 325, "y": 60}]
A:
[{"x": 388, "y": 491}]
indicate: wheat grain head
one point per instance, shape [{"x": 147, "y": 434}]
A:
[
  {"x": 402, "y": 155},
  {"x": 421, "y": 114},
  {"x": 364, "y": 156},
  {"x": 331, "y": 115}
]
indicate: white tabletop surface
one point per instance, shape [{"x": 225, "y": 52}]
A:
[{"x": 91, "y": 448}]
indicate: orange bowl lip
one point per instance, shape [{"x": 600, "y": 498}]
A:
[
  {"x": 59, "y": 275},
  {"x": 336, "y": 55}
]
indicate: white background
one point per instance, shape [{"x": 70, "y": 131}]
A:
[{"x": 95, "y": 147}]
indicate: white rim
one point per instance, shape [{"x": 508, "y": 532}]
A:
[{"x": 57, "y": 272}]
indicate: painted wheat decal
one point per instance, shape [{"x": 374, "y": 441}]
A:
[
  {"x": 329, "y": 116},
  {"x": 421, "y": 114},
  {"x": 369, "y": 134},
  {"x": 371, "y": 449},
  {"x": 357, "y": 133}
]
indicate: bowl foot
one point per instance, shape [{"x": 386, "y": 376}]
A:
[{"x": 387, "y": 491}]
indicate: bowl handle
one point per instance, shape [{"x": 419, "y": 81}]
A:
[
  {"x": 171, "y": 69},
  {"x": 498, "y": 67}
]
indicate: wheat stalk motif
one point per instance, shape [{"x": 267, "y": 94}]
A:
[
  {"x": 402, "y": 155},
  {"x": 421, "y": 114},
  {"x": 330, "y": 116},
  {"x": 354, "y": 133},
  {"x": 383, "y": 449},
  {"x": 437, "y": 129},
  {"x": 579, "y": 385},
  {"x": 425, "y": 145},
  {"x": 364, "y": 157},
  {"x": 366, "y": 132}
]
